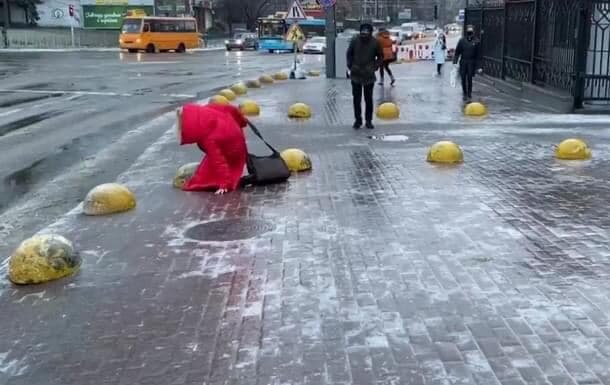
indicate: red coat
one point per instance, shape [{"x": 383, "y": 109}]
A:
[{"x": 217, "y": 130}]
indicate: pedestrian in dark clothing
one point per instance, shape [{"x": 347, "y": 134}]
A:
[
  {"x": 467, "y": 53},
  {"x": 364, "y": 58}
]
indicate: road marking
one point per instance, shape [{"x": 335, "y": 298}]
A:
[
  {"x": 154, "y": 62},
  {"x": 89, "y": 93},
  {"x": 180, "y": 96},
  {"x": 7, "y": 113}
]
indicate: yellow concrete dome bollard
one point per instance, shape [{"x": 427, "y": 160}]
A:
[
  {"x": 475, "y": 109},
  {"x": 280, "y": 76},
  {"x": 296, "y": 160},
  {"x": 109, "y": 198},
  {"x": 299, "y": 111},
  {"x": 445, "y": 152},
  {"x": 239, "y": 89},
  {"x": 219, "y": 99},
  {"x": 388, "y": 111},
  {"x": 253, "y": 84},
  {"x": 227, "y": 93},
  {"x": 313, "y": 73},
  {"x": 265, "y": 79},
  {"x": 43, "y": 258},
  {"x": 249, "y": 108},
  {"x": 573, "y": 149},
  {"x": 185, "y": 173}
]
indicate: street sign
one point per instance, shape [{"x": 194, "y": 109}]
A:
[
  {"x": 296, "y": 12},
  {"x": 328, "y": 3},
  {"x": 295, "y": 34}
]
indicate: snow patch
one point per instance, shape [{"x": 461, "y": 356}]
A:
[{"x": 11, "y": 367}]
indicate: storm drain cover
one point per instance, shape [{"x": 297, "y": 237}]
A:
[
  {"x": 390, "y": 138},
  {"x": 228, "y": 230}
]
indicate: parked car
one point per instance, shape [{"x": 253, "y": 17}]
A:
[
  {"x": 454, "y": 28},
  {"x": 315, "y": 45},
  {"x": 242, "y": 41},
  {"x": 397, "y": 35}
]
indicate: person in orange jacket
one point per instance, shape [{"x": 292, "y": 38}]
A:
[{"x": 389, "y": 56}]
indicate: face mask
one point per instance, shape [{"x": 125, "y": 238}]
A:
[{"x": 365, "y": 33}]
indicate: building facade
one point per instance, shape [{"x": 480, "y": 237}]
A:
[{"x": 108, "y": 14}]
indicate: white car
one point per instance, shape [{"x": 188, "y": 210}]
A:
[
  {"x": 397, "y": 36},
  {"x": 315, "y": 45}
]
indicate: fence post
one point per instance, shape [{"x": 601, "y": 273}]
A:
[
  {"x": 582, "y": 37},
  {"x": 481, "y": 31},
  {"x": 504, "y": 28},
  {"x": 534, "y": 37},
  {"x": 465, "y": 19}
]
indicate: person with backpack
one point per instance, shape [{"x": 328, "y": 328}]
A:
[
  {"x": 389, "y": 55},
  {"x": 364, "y": 58}
]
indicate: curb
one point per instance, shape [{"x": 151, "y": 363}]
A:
[{"x": 67, "y": 50}]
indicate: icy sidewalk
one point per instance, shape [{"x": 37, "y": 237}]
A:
[{"x": 375, "y": 268}]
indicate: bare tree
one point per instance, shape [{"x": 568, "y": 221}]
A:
[
  {"x": 247, "y": 11},
  {"x": 343, "y": 9},
  {"x": 254, "y": 9}
]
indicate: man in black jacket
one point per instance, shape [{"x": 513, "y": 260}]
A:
[
  {"x": 364, "y": 58},
  {"x": 467, "y": 52}
]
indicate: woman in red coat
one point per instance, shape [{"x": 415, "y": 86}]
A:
[{"x": 218, "y": 131}]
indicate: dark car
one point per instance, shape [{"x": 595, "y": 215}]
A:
[{"x": 242, "y": 41}]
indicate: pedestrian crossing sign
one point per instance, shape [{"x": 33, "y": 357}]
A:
[
  {"x": 295, "y": 34},
  {"x": 296, "y": 12}
]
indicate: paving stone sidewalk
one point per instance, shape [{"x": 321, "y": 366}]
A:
[{"x": 374, "y": 268}]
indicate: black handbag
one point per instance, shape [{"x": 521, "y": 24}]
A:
[{"x": 266, "y": 169}]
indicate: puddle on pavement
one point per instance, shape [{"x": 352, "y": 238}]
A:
[
  {"x": 389, "y": 138},
  {"x": 228, "y": 230}
]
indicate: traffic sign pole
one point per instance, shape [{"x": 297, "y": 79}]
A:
[
  {"x": 296, "y": 51},
  {"x": 71, "y": 12},
  {"x": 294, "y": 34}
]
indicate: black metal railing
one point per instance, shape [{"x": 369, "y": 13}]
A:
[
  {"x": 595, "y": 80},
  {"x": 558, "y": 44}
]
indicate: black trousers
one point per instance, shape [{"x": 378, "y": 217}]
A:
[
  {"x": 368, "y": 100},
  {"x": 439, "y": 66},
  {"x": 467, "y": 84},
  {"x": 386, "y": 68},
  {"x": 467, "y": 71}
]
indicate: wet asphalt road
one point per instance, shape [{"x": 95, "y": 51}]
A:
[{"x": 69, "y": 121}]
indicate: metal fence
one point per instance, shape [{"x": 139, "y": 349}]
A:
[
  {"x": 58, "y": 38},
  {"x": 61, "y": 38},
  {"x": 595, "y": 85},
  {"x": 557, "y": 44}
]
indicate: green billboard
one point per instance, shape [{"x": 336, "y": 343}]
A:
[{"x": 109, "y": 16}]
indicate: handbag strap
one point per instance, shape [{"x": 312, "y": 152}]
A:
[{"x": 260, "y": 136}]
